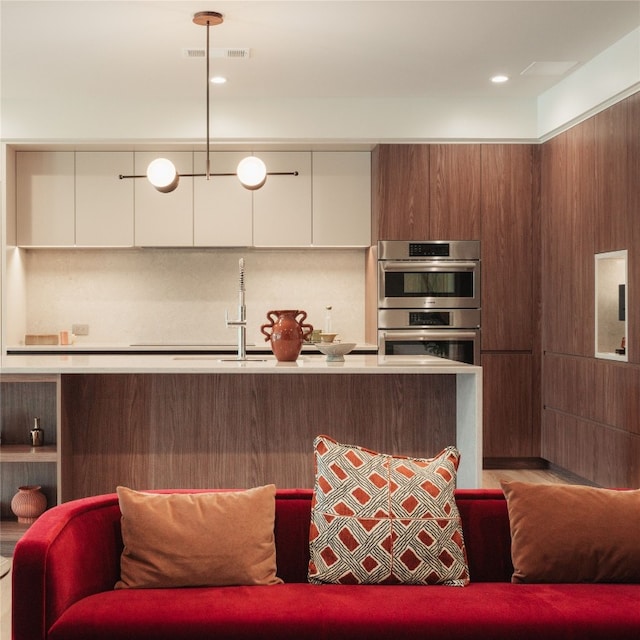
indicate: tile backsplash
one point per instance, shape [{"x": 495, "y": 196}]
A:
[{"x": 173, "y": 296}]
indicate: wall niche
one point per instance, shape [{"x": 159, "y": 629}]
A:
[{"x": 611, "y": 305}]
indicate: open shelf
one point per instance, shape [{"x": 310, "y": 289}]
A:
[{"x": 26, "y": 453}]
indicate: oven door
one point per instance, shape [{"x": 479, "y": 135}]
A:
[
  {"x": 423, "y": 284},
  {"x": 461, "y": 345}
]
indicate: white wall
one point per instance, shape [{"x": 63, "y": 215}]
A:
[
  {"x": 178, "y": 296},
  {"x": 606, "y": 79}
]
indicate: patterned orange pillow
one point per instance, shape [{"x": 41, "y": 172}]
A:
[{"x": 382, "y": 519}]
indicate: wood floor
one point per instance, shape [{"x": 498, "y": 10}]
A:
[{"x": 491, "y": 477}]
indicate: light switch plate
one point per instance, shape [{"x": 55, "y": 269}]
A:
[{"x": 80, "y": 329}]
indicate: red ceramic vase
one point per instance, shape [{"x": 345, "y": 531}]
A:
[
  {"x": 288, "y": 332},
  {"x": 28, "y": 503}
]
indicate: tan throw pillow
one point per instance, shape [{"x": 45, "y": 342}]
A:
[
  {"x": 382, "y": 519},
  {"x": 569, "y": 533},
  {"x": 197, "y": 539}
]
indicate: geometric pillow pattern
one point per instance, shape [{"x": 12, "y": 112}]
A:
[{"x": 383, "y": 519}]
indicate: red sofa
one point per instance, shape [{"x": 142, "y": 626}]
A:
[{"x": 67, "y": 563}]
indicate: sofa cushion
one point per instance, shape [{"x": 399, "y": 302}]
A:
[
  {"x": 569, "y": 533},
  {"x": 383, "y": 519},
  {"x": 203, "y": 539}
]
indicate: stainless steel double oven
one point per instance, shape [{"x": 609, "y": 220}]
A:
[{"x": 429, "y": 299}]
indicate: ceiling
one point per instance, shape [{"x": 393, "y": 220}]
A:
[{"x": 110, "y": 55}]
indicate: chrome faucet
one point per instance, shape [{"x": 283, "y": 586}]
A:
[{"x": 241, "y": 322}]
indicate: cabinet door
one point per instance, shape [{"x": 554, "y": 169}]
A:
[
  {"x": 507, "y": 390},
  {"x": 164, "y": 219},
  {"x": 222, "y": 215},
  {"x": 45, "y": 198},
  {"x": 400, "y": 192},
  {"x": 454, "y": 191},
  {"x": 282, "y": 208},
  {"x": 104, "y": 203},
  {"x": 341, "y": 198},
  {"x": 509, "y": 241}
]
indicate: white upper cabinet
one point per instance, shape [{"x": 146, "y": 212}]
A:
[
  {"x": 282, "y": 207},
  {"x": 222, "y": 215},
  {"x": 45, "y": 198},
  {"x": 164, "y": 219},
  {"x": 341, "y": 198},
  {"x": 104, "y": 203}
]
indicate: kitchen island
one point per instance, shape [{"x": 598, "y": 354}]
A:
[{"x": 202, "y": 421}]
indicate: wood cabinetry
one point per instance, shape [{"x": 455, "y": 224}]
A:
[
  {"x": 222, "y": 207},
  {"x": 455, "y": 187},
  {"x": 589, "y": 205},
  {"x": 23, "y": 399},
  {"x": 508, "y": 396},
  {"x": 341, "y": 185},
  {"x": 45, "y": 198},
  {"x": 491, "y": 193},
  {"x": 510, "y": 247},
  {"x": 282, "y": 208},
  {"x": 400, "y": 192},
  {"x": 164, "y": 219},
  {"x": 104, "y": 203}
]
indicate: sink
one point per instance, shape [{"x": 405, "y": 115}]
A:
[
  {"x": 219, "y": 359},
  {"x": 207, "y": 345}
]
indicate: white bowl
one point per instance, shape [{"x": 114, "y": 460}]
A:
[{"x": 335, "y": 351}]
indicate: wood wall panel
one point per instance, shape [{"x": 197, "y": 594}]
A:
[
  {"x": 568, "y": 241},
  {"x": 238, "y": 431},
  {"x": 590, "y": 418},
  {"x": 555, "y": 287},
  {"x": 454, "y": 187},
  {"x": 400, "y": 192},
  {"x": 510, "y": 249},
  {"x": 633, "y": 215},
  {"x": 602, "y": 391},
  {"x": 612, "y": 228},
  {"x": 508, "y": 430},
  {"x": 608, "y": 457}
]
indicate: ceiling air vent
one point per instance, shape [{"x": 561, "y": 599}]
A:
[{"x": 236, "y": 54}]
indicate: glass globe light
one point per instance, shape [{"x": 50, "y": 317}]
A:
[
  {"x": 162, "y": 174},
  {"x": 252, "y": 172}
]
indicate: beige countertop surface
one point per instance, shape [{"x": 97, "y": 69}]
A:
[{"x": 212, "y": 363}]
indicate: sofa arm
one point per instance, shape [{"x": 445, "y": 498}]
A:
[{"x": 71, "y": 551}]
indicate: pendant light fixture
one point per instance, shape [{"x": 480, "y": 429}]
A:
[{"x": 251, "y": 171}]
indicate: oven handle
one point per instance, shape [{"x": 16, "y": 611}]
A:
[
  {"x": 418, "y": 266},
  {"x": 427, "y": 334}
]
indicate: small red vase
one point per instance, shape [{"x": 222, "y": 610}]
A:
[
  {"x": 28, "y": 503},
  {"x": 288, "y": 332}
]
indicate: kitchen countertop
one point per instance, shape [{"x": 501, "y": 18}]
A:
[
  {"x": 128, "y": 363},
  {"x": 165, "y": 348}
]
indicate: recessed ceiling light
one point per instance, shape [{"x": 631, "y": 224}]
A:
[
  {"x": 218, "y": 80},
  {"x": 499, "y": 78}
]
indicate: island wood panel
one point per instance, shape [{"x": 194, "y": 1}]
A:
[
  {"x": 606, "y": 456},
  {"x": 510, "y": 248},
  {"x": 454, "y": 177},
  {"x": 400, "y": 192},
  {"x": 508, "y": 429},
  {"x": 242, "y": 430}
]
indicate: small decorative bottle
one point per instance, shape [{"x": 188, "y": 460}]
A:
[
  {"x": 36, "y": 434},
  {"x": 327, "y": 320}
]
